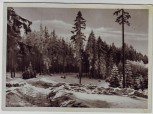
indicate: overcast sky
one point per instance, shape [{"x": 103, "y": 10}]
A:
[{"x": 101, "y": 21}]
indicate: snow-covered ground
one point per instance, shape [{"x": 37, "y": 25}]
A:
[{"x": 54, "y": 91}]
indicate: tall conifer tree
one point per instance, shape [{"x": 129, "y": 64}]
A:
[{"x": 78, "y": 37}]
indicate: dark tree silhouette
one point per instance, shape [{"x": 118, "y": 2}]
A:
[
  {"x": 122, "y": 19},
  {"x": 78, "y": 38},
  {"x": 99, "y": 50},
  {"x": 14, "y": 24},
  {"x": 91, "y": 51}
]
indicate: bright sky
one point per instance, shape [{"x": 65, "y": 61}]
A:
[{"x": 101, "y": 21}]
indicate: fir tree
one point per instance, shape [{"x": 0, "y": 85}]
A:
[
  {"x": 145, "y": 83},
  {"x": 64, "y": 53},
  {"x": 114, "y": 80},
  {"x": 101, "y": 53},
  {"x": 128, "y": 74},
  {"x": 109, "y": 61},
  {"x": 91, "y": 51},
  {"x": 122, "y": 19},
  {"x": 78, "y": 38},
  {"x": 46, "y": 34},
  {"x": 135, "y": 83}
]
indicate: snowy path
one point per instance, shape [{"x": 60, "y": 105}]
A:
[
  {"x": 113, "y": 101},
  {"x": 35, "y": 92}
]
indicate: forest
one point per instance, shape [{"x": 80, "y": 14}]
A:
[
  {"x": 46, "y": 69},
  {"x": 49, "y": 53}
]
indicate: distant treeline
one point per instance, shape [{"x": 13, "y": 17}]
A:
[{"x": 49, "y": 53}]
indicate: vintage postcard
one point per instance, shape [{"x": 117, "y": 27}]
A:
[{"x": 77, "y": 57}]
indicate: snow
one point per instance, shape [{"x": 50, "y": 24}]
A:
[
  {"x": 47, "y": 91},
  {"x": 71, "y": 78},
  {"x": 28, "y": 89},
  {"x": 47, "y": 80},
  {"x": 114, "y": 101}
]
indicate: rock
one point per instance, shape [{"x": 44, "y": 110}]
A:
[
  {"x": 76, "y": 85},
  {"x": 8, "y": 85},
  {"x": 56, "y": 102},
  {"x": 16, "y": 85},
  {"x": 79, "y": 104},
  {"x": 51, "y": 74},
  {"x": 138, "y": 94},
  {"x": 98, "y": 90},
  {"x": 91, "y": 87},
  {"x": 51, "y": 95},
  {"x": 64, "y": 99},
  {"x": 118, "y": 91},
  {"x": 109, "y": 91},
  {"x": 63, "y": 77}
]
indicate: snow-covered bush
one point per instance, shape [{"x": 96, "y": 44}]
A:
[{"x": 28, "y": 74}]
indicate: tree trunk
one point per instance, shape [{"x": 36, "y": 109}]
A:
[
  {"x": 123, "y": 50},
  {"x": 80, "y": 68},
  {"x": 99, "y": 65},
  {"x": 63, "y": 65},
  {"x": 11, "y": 51},
  {"x": 80, "y": 71},
  {"x": 40, "y": 63},
  {"x": 93, "y": 66},
  {"x": 14, "y": 70}
]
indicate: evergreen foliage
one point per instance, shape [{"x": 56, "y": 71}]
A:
[
  {"x": 78, "y": 37},
  {"x": 128, "y": 74},
  {"x": 14, "y": 39},
  {"x": 114, "y": 79}
]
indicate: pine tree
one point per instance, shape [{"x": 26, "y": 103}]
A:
[
  {"x": 114, "y": 53},
  {"x": 109, "y": 61},
  {"x": 99, "y": 49},
  {"x": 128, "y": 74},
  {"x": 78, "y": 38},
  {"x": 91, "y": 51},
  {"x": 145, "y": 59},
  {"x": 46, "y": 41},
  {"x": 64, "y": 53},
  {"x": 122, "y": 19},
  {"x": 114, "y": 80},
  {"x": 46, "y": 34},
  {"x": 53, "y": 35},
  {"x": 101, "y": 53},
  {"x": 135, "y": 83},
  {"x": 145, "y": 83}
]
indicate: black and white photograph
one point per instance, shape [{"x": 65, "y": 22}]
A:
[{"x": 76, "y": 57}]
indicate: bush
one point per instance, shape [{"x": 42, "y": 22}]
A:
[{"x": 28, "y": 74}]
